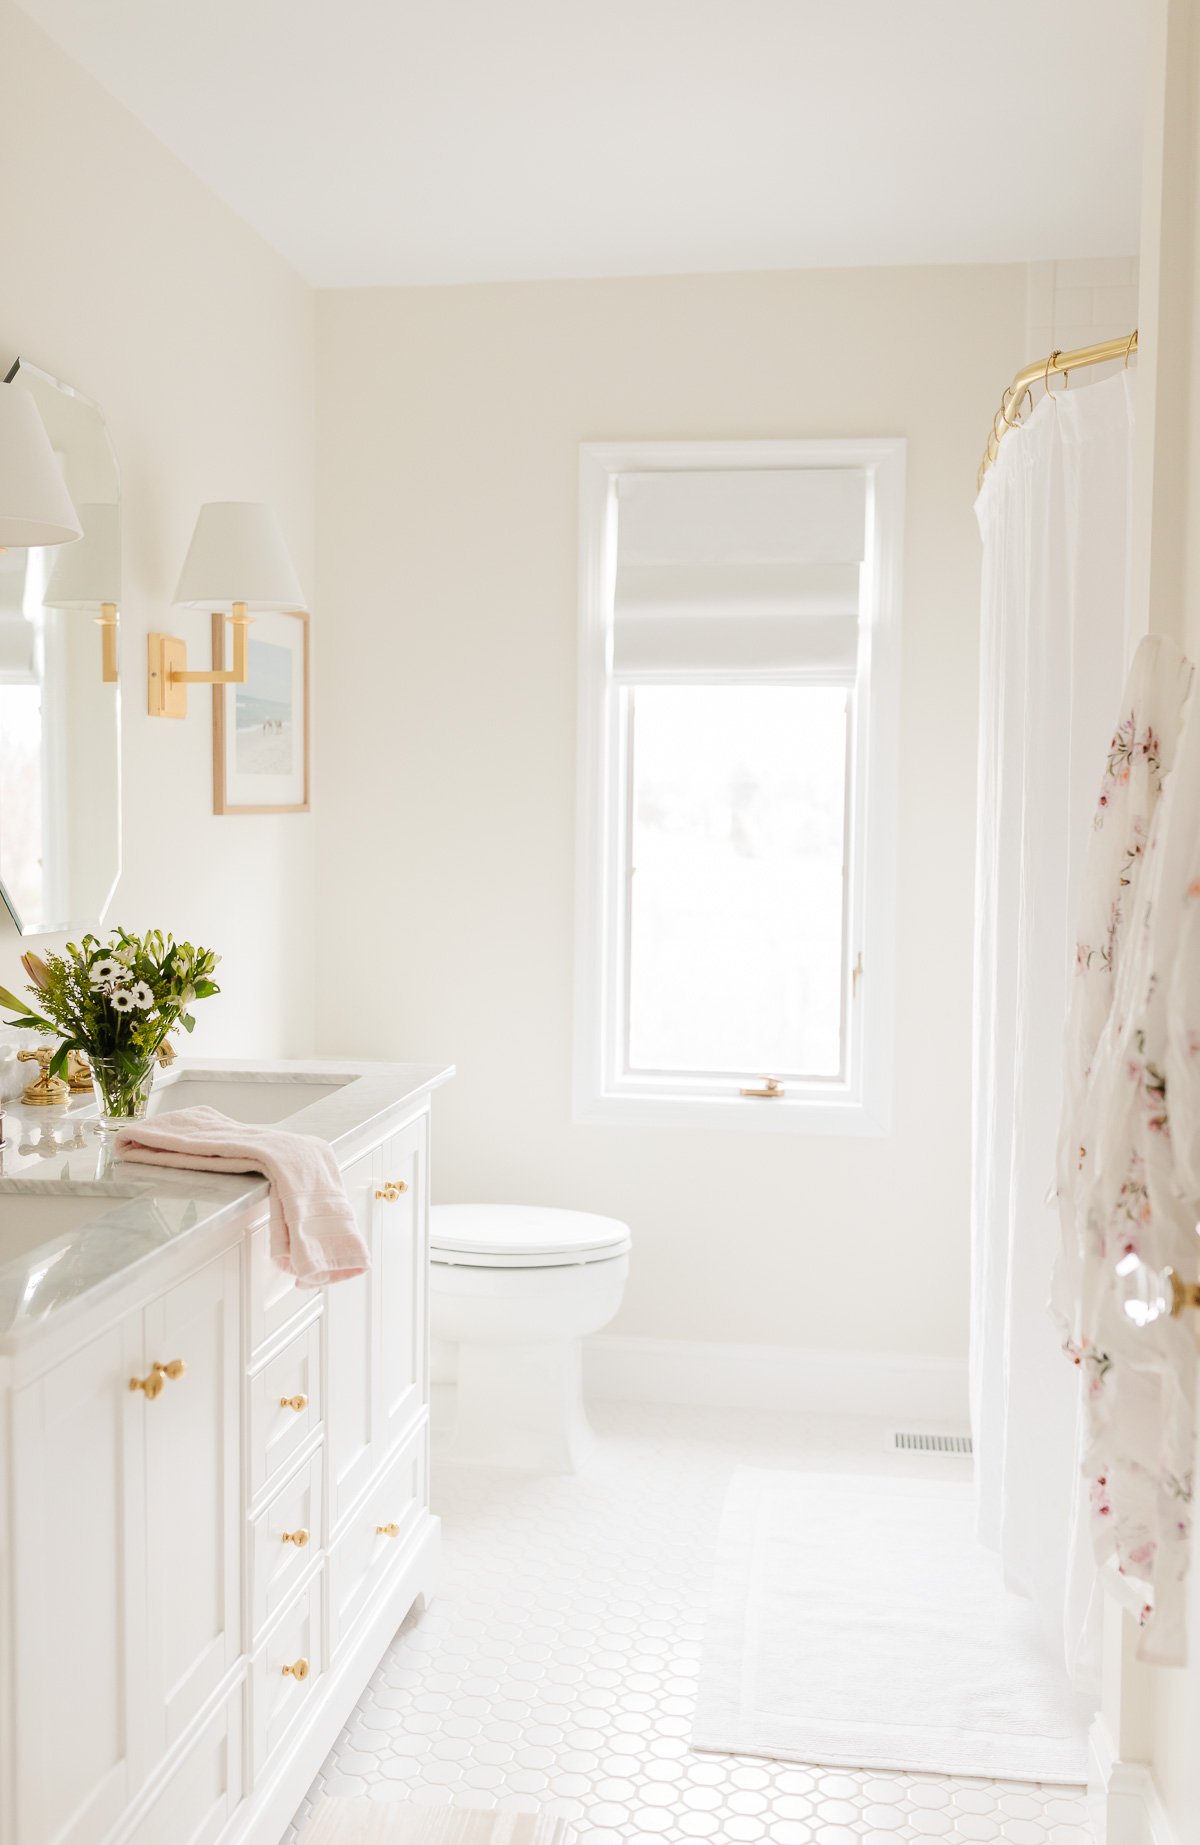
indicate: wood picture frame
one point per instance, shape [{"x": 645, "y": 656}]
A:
[{"x": 261, "y": 763}]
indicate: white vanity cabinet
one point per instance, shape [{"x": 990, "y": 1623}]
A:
[
  {"x": 126, "y": 1608},
  {"x": 371, "y": 1405},
  {"x": 77, "y": 1615},
  {"x": 216, "y": 1493},
  {"x": 192, "y": 1473}
]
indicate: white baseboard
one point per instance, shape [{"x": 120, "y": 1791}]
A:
[
  {"x": 1126, "y": 1807},
  {"x": 766, "y": 1377}
]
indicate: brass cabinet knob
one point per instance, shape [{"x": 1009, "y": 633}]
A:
[
  {"x": 392, "y": 1189},
  {"x": 156, "y": 1377},
  {"x": 387, "y": 1531},
  {"x": 298, "y": 1538},
  {"x": 297, "y": 1403},
  {"x": 298, "y": 1670}
]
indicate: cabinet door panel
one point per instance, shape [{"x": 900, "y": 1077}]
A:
[
  {"x": 380, "y": 1533},
  {"x": 273, "y": 1298},
  {"x": 193, "y": 1514},
  {"x": 352, "y": 1342},
  {"x": 284, "y": 1539},
  {"x": 402, "y": 1257},
  {"x": 194, "y": 1806},
  {"x": 285, "y": 1673},
  {"x": 286, "y": 1406},
  {"x": 78, "y": 1562}
]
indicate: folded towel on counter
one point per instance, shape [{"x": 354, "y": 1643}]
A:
[{"x": 314, "y": 1235}]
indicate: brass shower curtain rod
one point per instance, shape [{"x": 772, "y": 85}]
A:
[{"x": 1008, "y": 416}]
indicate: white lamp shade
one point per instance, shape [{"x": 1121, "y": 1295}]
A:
[
  {"x": 237, "y": 554},
  {"x": 89, "y": 573},
  {"x": 35, "y": 507}
]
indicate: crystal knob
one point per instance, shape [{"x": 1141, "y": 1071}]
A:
[{"x": 1148, "y": 1294}]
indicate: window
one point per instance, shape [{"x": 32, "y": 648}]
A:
[{"x": 738, "y": 692}]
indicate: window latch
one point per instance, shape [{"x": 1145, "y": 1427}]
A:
[
  {"x": 855, "y": 977},
  {"x": 771, "y": 1090}
]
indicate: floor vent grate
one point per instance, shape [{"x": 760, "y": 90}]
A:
[{"x": 933, "y": 1444}]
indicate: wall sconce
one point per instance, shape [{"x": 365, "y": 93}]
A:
[
  {"x": 35, "y": 507},
  {"x": 88, "y": 576},
  {"x": 237, "y": 561}
]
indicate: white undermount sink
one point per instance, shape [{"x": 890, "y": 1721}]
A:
[
  {"x": 257, "y": 1099},
  {"x": 29, "y": 1221}
]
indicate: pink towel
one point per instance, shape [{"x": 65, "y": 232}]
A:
[{"x": 314, "y": 1235}]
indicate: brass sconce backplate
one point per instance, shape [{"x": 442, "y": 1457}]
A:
[{"x": 167, "y": 693}]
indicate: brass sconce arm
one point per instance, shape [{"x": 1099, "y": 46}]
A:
[
  {"x": 106, "y": 621},
  {"x": 168, "y": 674}
]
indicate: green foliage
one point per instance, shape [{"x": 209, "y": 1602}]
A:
[{"x": 118, "y": 999}]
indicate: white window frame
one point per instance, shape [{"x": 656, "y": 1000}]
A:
[{"x": 860, "y": 1101}]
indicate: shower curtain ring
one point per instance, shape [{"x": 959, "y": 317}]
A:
[
  {"x": 1055, "y": 355},
  {"x": 1130, "y": 348}
]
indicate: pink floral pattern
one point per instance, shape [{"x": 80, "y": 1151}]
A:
[{"x": 1118, "y": 1178}]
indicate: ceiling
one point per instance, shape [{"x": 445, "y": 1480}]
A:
[{"x": 420, "y": 141}]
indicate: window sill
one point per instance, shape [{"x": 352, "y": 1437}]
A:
[{"x": 802, "y": 1114}]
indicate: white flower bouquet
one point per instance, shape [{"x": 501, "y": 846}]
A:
[{"x": 115, "y": 1002}]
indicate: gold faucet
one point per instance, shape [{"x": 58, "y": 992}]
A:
[{"x": 45, "y": 1089}]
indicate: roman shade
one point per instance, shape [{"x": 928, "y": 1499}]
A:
[{"x": 750, "y": 570}]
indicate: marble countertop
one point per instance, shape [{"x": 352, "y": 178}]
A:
[{"x": 123, "y": 1213}]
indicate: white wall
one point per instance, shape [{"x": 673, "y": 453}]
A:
[
  {"x": 1079, "y": 303},
  {"x": 121, "y": 274},
  {"x": 449, "y": 422}
]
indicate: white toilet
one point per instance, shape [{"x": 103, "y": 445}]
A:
[{"x": 516, "y": 1288}]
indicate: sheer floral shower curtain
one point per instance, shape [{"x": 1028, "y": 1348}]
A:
[{"x": 1056, "y": 640}]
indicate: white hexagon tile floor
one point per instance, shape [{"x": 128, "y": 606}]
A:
[{"x": 556, "y": 1670}]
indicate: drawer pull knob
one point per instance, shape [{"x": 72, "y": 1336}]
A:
[
  {"x": 297, "y": 1403},
  {"x": 387, "y": 1531},
  {"x": 156, "y": 1377},
  {"x": 392, "y": 1189},
  {"x": 298, "y": 1670},
  {"x": 298, "y": 1538}
]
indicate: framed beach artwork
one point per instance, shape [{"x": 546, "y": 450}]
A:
[{"x": 260, "y": 729}]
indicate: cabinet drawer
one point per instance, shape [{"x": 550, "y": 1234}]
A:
[
  {"x": 369, "y": 1545},
  {"x": 272, "y": 1297},
  {"x": 285, "y": 1672},
  {"x": 283, "y": 1542},
  {"x": 204, "y": 1789},
  {"x": 285, "y": 1405}
]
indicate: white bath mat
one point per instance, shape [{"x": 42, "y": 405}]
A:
[
  {"x": 856, "y": 1623},
  {"x": 405, "y": 1822}
]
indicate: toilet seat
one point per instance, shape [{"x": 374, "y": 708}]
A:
[{"x": 522, "y": 1236}]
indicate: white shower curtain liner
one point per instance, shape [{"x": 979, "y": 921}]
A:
[{"x": 1056, "y": 641}]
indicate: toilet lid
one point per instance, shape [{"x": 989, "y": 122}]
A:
[{"x": 522, "y": 1236}]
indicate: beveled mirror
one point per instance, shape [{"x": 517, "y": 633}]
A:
[{"x": 60, "y": 731}]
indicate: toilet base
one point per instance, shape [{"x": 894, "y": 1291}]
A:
[{"x": 521, "y": 1405}]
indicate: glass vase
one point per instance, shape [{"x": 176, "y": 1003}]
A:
[{"x": 122, "y": 1090}]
